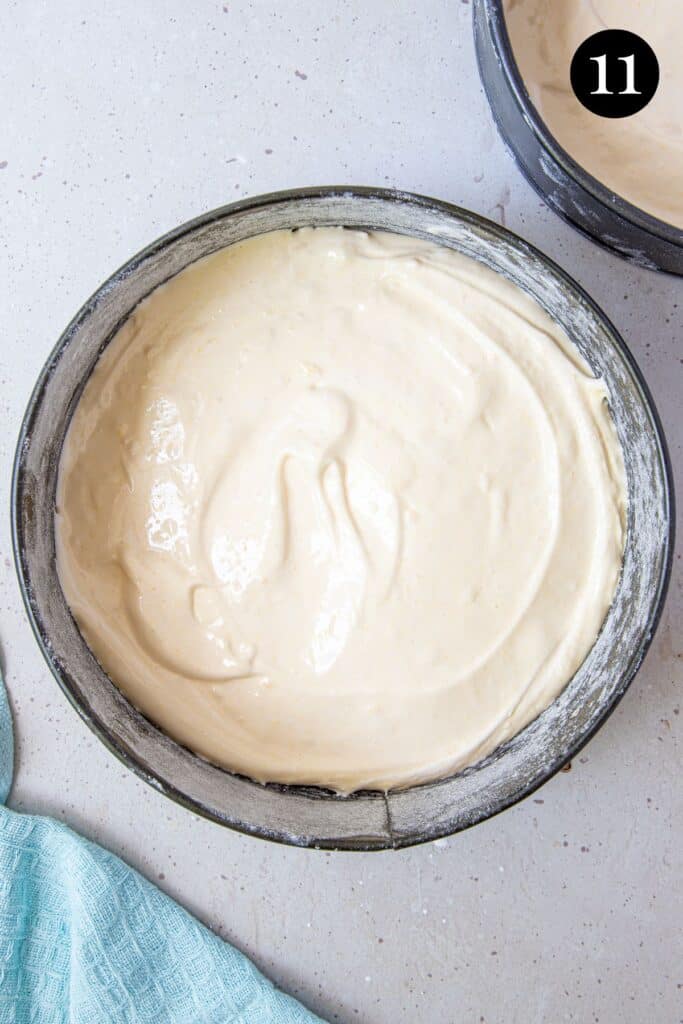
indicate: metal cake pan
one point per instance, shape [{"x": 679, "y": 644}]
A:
[
  {"x": 565, "y": 186},
  {"x": 310, "y": 816}
]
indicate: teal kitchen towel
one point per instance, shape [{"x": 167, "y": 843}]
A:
[{"x": 84, "y": 939}]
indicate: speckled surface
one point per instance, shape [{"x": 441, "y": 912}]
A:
[{"x": 121, "y": 123}]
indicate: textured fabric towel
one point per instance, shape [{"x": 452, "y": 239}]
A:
[{"x": 85, "y": 939}]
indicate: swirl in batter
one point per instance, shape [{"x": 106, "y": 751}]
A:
[{"x": 340, "y": 508}]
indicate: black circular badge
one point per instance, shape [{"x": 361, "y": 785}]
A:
[{"x": 614, "y": 73}]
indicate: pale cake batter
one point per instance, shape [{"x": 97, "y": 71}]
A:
[
  {"x": 638, "y": 157},
  {"x": 340, "y": 508}
]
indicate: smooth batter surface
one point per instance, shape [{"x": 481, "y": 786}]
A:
[
  {"x": 340, "y": 508},
  {"x": 639, "y": 157}
]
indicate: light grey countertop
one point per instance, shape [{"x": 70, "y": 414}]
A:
[{"x": 121, "y": 120}]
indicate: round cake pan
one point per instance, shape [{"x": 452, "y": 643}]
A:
[
  {"x": 309, "y": 816},
  {"x": 564, "y": 185}
]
